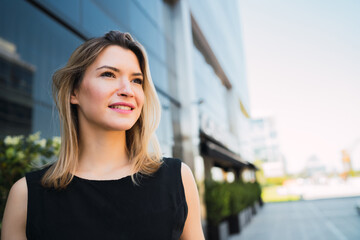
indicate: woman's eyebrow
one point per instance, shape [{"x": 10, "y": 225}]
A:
[
  {"x": 109, "y": 67},
  {"x": 117, "y": 70},
  {"x": 137, "y": 74}
]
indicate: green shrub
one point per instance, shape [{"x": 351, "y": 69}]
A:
[
  {"x": 19, "y": 155},
  {"x": 217, "y": 198},
  {"x": 238, "y": 197},
  {"x": 226, "y": 199}
]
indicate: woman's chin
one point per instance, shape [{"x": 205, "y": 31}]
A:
[{"x": 120, "y": 127}]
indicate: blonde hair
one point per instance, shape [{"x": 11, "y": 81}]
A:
[{"x": 138, "y": 138}]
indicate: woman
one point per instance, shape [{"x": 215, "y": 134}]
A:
[{"x": 106, "y": 184}]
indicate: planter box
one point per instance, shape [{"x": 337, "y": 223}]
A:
[
  {"x": 213, "y": 232},
  {"x": 238, "y": 222},
  {"x": 234, "y": 224},
  {"x": 218, "y": 232}
]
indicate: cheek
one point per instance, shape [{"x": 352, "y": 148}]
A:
[
  {"x": 94, "y": 94},
  {"x": 141, "y": 98},
  {"x": 97, "y": 94}
]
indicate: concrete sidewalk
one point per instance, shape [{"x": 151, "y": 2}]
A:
[{"x": 329, "y": 219}]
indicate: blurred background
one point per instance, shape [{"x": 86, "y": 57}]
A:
[
  {"x": 254, "y": 93},
  {"x": 302, "y": 61}
]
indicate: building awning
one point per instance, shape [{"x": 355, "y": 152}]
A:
[
  {"x": 222, "y": 157},
  {"x": 252, "y": 166}
]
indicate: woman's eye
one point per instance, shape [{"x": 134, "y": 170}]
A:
[
  {"x": 138, "y": 81},
  {"x": 107, "y": 74}
]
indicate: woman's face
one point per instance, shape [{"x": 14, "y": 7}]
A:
[{"x": 111, "y": 94}]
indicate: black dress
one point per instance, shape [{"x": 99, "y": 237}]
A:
[{"x": 109, "y": 209}]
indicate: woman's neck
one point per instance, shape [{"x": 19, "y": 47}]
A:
[{"x": 102, "y": 153}]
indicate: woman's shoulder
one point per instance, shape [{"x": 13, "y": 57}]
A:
[
  {"x": 37, "y": 174},
  {"x": 176, "y": 166},
  {"x": 171, "y": 162},
  {"x": 14, "y": 219},
  {"x": 170, "y": 169},
  {"x": 19, "y": 188},
  {"x": 18, "y": 193}
]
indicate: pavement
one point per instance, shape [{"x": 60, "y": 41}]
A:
[{"x": 328, "y": 219}]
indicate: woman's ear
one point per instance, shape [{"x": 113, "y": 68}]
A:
[{"x": 74, "y": 97}]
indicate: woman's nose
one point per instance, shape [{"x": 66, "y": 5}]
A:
[{"x": 125, "y": 88}]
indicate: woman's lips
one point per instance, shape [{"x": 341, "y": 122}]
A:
[
  {"x": 122, "y": 109},
  {"x": 122, "y": 104}
]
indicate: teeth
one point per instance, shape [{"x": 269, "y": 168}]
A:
[{"x": 121, "y": 107}]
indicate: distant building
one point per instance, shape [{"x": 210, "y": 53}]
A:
[
  {"x": 266, "y": 146},
  {"x": 314, "y": 167},
  {"x": 354, "y": 154}
]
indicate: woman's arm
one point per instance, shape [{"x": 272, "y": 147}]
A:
[
  {"x": 14, "y": 220},
  {"x": 192, "y": 229}
]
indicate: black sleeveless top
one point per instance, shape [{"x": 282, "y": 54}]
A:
[{"x": 109, "y": 209}]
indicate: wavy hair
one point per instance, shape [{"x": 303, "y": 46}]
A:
[{"x": 138, "y": 139}]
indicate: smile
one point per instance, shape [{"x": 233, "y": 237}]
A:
[{"x": 121, "y": 107}]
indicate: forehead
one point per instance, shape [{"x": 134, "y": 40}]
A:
[{"x": 117, "y": 56}]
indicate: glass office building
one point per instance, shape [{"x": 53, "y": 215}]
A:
[{"x": 196, "y": 60}]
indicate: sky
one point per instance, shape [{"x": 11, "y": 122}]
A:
[{"x": 303, "y": 68}]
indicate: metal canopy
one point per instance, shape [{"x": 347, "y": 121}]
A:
[{"x": 223, "y": 157}]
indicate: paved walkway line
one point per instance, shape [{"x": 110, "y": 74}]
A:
[{"x": 332, "y": 228}]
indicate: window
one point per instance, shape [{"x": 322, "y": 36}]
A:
[{"x": 15, "y": 96}]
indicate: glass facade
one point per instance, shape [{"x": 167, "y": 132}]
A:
[
  {"x": 45, "y": 45},
  {"x": 220, "y": 23},
  {"x": 211, "y": 91}
]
